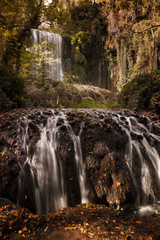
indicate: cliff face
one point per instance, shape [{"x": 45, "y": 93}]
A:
[
  {"x": 135, "y": 39},
  {"x": 121, "y": 41}
]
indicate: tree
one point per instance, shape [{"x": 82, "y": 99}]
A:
[{"x": 17, "y": 18}]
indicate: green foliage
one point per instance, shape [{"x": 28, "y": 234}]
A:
[
  {"x": 11, "y": 89},
  {"x": 71, "y": 77},
  {"x": 33, "y": 62},
  {"x": 142, "y": 92},
  {"x": 16, "y": 20},
  {"x": 120, "y": 4}
]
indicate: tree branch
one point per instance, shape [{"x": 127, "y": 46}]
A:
[{"x": 146, "y": 29}]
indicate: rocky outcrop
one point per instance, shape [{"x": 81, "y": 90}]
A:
[{"x": 120, "y": 149}]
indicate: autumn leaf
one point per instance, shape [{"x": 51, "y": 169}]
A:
[
  {"x": 35, "y": 216},
  {"x": 13, "y": 221},
  {"x": 117, "y": 183},
  {"x": 139, "y": 222},
  {"x": 46, "y": 229},
  {"x": 24, "y": 229},
  {"x": 141, "y": 238},
  {"x": 108, "y": 164}
]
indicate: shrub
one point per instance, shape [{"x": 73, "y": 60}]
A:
[
  {"x": 11, "y": 89},
  {"x": 143, "y": 92}
]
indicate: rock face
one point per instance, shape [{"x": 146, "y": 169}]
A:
[
  {"x": 123, "y": 41},
  {"x": 118, "y": 155}
]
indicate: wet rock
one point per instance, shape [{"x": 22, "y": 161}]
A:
[{"x": 113, "y": 147}]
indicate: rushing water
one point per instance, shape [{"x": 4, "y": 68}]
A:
[
  {"x": 49, "y": 48},
  {"x": 46, "y": 169},
  {"x": 140, "y": 149}
]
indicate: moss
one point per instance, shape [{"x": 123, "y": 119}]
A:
[{"x": 87, "y": 103}]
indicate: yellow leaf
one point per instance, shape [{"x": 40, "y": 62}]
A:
[{"x": 45, "y": 229}]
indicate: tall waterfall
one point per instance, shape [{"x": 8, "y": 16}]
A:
[
  {"x": 45, "y": 170},
  {"x": 49, "y": 48}
]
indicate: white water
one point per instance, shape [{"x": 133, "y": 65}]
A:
[
  {"x": 148, "y": 158},
  {"x": 80, "y": 165},
  {"x": 49, "y": 47},
  {"x": 47, "y": 173}
]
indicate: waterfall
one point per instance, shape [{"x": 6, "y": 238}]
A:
[
  {"x": 48, "y": 47},
  {"x": 121, "y": 154},
  {"x": 80, "y": 165},
  {"x": 46, "y": 171},
  {"x": 140, "y": 150}
]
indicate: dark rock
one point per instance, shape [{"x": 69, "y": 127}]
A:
[{"x": 106, "y": 141}]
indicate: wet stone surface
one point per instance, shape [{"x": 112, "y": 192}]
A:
[{"x": 117, "y": 149}]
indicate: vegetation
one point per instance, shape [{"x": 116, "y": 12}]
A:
[
  {"x": 12, "y": 93},
  {"x": 108, "y": 43},
  {"x": 69, "y": 95},
  {"x": 142, "y": 92},
  {"x": 16, "y": 20},
  {"x": 88, "y": 103}
]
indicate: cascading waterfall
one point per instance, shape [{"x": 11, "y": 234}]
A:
[
  {"x": 45, "y": 166},
  {"x": 49, "y": 48},
  {"x": 80, "y": 165},
  {"x": 148, "y": 158}
]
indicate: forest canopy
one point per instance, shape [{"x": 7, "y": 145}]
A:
[{"x": 108, "y": 42}]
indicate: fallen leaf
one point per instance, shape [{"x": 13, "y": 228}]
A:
[
  {"x": 24, "y": 229},
  {"x": 139, "y": 222},
  {"x": 117, "y": 183},
  {"x": 45, "y": 229}
]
